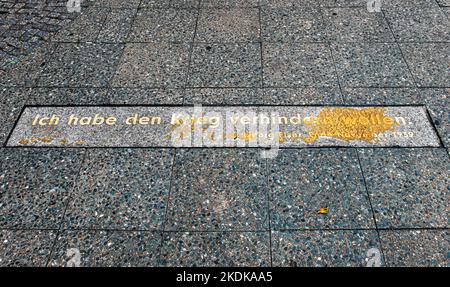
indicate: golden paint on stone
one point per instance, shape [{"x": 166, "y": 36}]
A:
[
  {"x": 46, "y": 139},
  {"x": 79, "y": 142},
  {"x": 24, "y": 141},
  {"x": 350, "y": 124},
  {"x": 63, "y": 142}
]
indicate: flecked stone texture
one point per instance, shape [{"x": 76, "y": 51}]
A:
[
  {"x": 108, "y": 248},
  {"x": 415, "y": 24},
  {"x": 164, "y": 25},
  {"x": 229, "y": 3},
  {"x": 356, "y": 25},
  {"x": 224, "y": 96},
  {"x": 296, "y": 3},
  {"x": 125, "y": 96},
  {"x": 444, "y": 3},
  {"x": 429, "y": 63},
  {"x": 118, "y": 3},
  {"x": 25, "y": 248},
  {"x": 11, "y": 101},
  {"x": 35, "y": 186},
  {"x": 218, "y": 190},
  {"x": 304, "y": 181},
  {"x": 302, "y": 96},
  {"x": 416, "y": 248},
  {"x": 389, "y": 4},
  {"x": 117, "y": 25},
  {"x": 225, "y": 65},
  {"x": 152, "y": 65},
  {"x": 383, "y": 96},
  {"x": 230, "y": 249},
  {"x": 323, "y": 248},
  {"x": 292, "y": 25},
  {"x": 66, "y": 96},
  {"x": 136, "y": 202},
  {"x": 296, "y": 65},
  {"x": 85, "y": 28},
  {"x": 228, "y": 25},
  {"x": 371, "y": 65},
  {"x": 81, "y": 65},
  {"x": 408, "y": 187},
  {"x": 438, "y": 101}
]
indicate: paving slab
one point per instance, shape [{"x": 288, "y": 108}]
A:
[
  {"x": 416, "y": 24},
  {"x": 304, "y": 181},
  {"x": 224, "y": 96},
  {"x": 110, "y": 194},
  {"x": 127, "y": 96},
  {"x": 66, "y": 96},
  {"x": 106, "y": 249},
  {"x": 11, "y": 103},
  {"x": 296, "y": 3},
  {"x": 164, "y": 25},
  {"x": 416, "y": 248},
  {"x": 298, "y": 65},
  {"x": 383, "y": 96},
  {"x": 80, "y": 65},
  {"x": 117, "y": 3},
  {"x": 371, "y": 65},
  {"x": 25, "y": 248},
  {"x": 229, "y": 3},
  {"x": 356, "y": 25},
  {"x": 152, "y": 65},
  {"x": 408, "y": 187},
  {"x": 225, "y": 65},
  {"x": 117, "y": 26},
  {"x": 218, "y": 190},
  {"x": 219, "y": 249},
  {"x": 438, "y": 101},
  {"x": 36, "y": 185},
  {"x": 428, "y": 63},
  {"x": 303, "y": 96},
  {"x": 228, "y": 25},
  {"x": 342, "y": 248},
  {"x": 288, "y": 24}
]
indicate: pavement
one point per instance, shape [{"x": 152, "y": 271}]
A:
[{"x": 225, "y": 207}]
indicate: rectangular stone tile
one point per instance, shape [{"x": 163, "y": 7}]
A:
[
  {"x": 408, "y": 187},
  {"x": 388, "y": 4},
  {"x": 117, "y": 3},
  {"x": 356, "y": 25},
  {"x": 11, "y": 103},
  {"x": 303, "y": 96},
  {"x": 229, "y": 3},
  {"x": 445, "y": 3},
  {"x": 106, "y": 249},
  {"x": 125, "y": 96},
  {"x": 296, "y": 65},
  {"x": 296, "y": 3},
  {"x": 164, "y": 25},
  {"x": 81, "y": 65},
  {"x": 416, "y": 248},
  {"x": 304, "y": 181},
  {"x": 325, "y": 248},
  {"x": 117, "y": 25},
  {"x": 25, "y": 248},
  {"x": 224, "y": 96},
  {"x": 218, "y": 190},
  {"x": 230, "y": 126},
  {"x": 415, "y": 24},
  {"x": 121, "y": 189},
  {"x": 66, "y": 96},
  {"x": 225, "y": 65},
  {"x": 216, "y": 249},
  {"x": 85, "y": 27},
  {"x": 228, "y": 25},
  {"x": 26, "y": 72},
  {"x": 292, "y": 24},
  {"x": 184, "y": 4},
  {"x": 153, "y": 65},
  {"x": 35, "y": 185},
  {"x": 429, "y": 63},
  {"x": 438, "y": 103},
  {"x": 383, "y": 96},
  {"x": 152, "y": 4},
  {"x": 371, "y": 65}
]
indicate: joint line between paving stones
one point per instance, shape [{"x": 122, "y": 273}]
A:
[
  {"x": 69, "y": 197},
  {"x": 191, "y": 52},
  {"x": 370, "y": 202},
  {"x": 430, "y": 119},
  {"x": 261, "y": 43},
  {"x": 268, "y": 211},
  {"x": 166, "y": 212},
  {"x": 14, "y": 126}
]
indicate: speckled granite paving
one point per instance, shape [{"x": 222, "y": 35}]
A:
[{"x": 230, "y": 206}]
